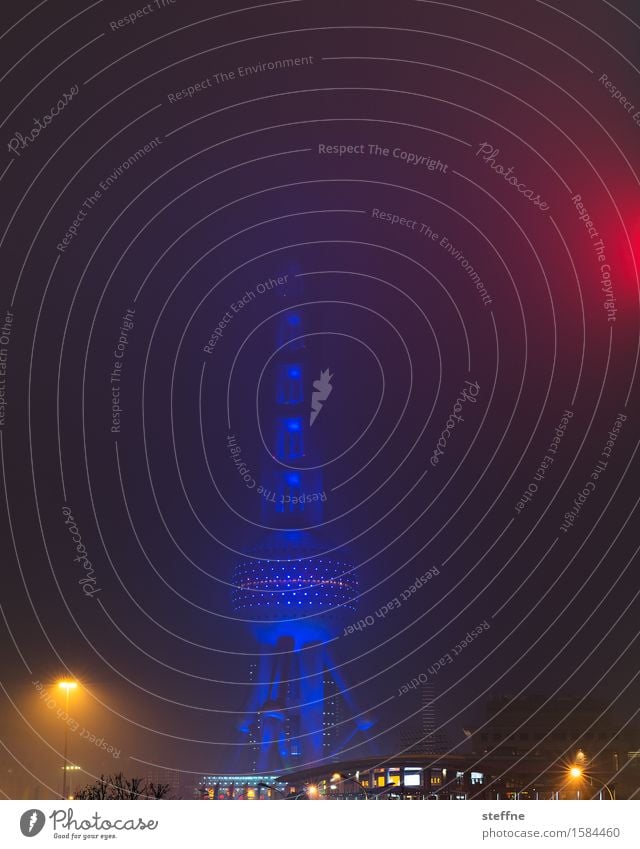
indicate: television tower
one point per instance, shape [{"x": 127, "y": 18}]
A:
[{"x": 297, "y": 597}]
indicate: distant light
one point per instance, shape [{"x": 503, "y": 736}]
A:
[
  {"x": 575, "y": 772},
  {"x": 294, "y": 372},
  {"x": 293, "y": 318},
  {"x": 67, "y": 685},
  {"x": 293, "y": 424}
]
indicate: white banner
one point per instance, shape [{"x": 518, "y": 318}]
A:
[{"x": 308, "y": 824}]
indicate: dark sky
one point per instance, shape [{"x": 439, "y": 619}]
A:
[{"x": 235, "y": 187}]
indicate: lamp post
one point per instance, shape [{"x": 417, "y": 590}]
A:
[
  {"x": 264, "y": 784},
  {"x": 612, "y": 795},
  {"x": 577, "y": 773},
  {"x": 67, "y": 686},
  {"x": 339, "y": 779},
  {"x": 309, "y": 792},
  {"x": 386, "y": 789}
]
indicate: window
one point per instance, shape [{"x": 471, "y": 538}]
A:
[
  {"x": 289, "y": 384},
  {"x": 290, "y": 489},
  {"x": 289, "y": 441}
]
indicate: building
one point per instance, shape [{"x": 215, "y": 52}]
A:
[
  {"x": 554, "y": 727},
  {"x": 332, "y": 716},
  {"x": 422, "y": 734},
  {"x": 561, "y": 730},
  {"x": 217, "y": 787},
  {"x": 528, "y": 748},
  {"x": 462, "y": 777}
]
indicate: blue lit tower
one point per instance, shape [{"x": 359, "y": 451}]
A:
[{"x": 296, "y": 597}]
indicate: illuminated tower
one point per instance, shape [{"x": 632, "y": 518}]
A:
[{"x": 296, "y": 597}]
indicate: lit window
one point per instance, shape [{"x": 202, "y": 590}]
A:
[
  {"x": 289, "y": 384},
  {"x": 289, "y": 441}
]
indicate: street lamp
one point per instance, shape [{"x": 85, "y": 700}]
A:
[
  {"x": 67, "y": 686},
  {"x": 270, "y": 787},
  {"x": 309, "y": 792},
  {"x": 577, "y": 772},
  {"x": 339, "y": 779},
  {"x": 386, "y": 789},
  {"x": 71, "y": 768}
]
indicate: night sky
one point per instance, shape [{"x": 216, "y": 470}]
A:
[{"x": 452, "y": 191}]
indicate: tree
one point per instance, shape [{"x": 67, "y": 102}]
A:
[{"x": 118, "y": 787}]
